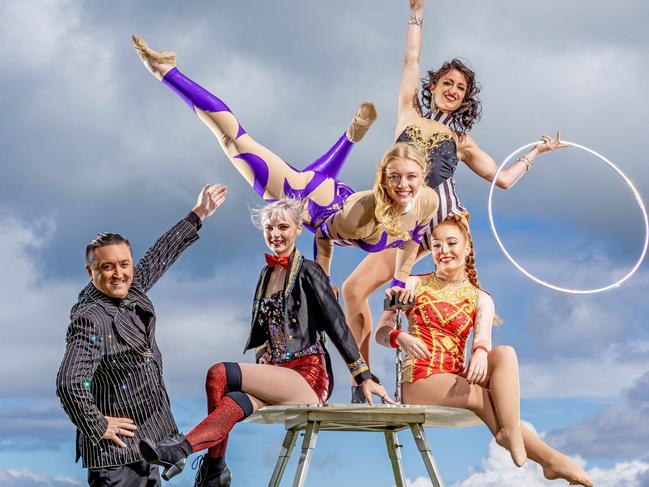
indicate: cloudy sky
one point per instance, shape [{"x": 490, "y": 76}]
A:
[{"x": 91, "y": 142}]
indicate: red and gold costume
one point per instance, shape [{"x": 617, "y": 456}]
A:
[{"x": 442, "y": 318}]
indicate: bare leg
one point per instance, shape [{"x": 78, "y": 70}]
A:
[
  {"x": 260, "y": 385},
  {"x": 373, "y": 272},
  {"x": 454, "y": 391},
  {"x": 504, "y": 385},
  {"x": 268, "y": 174},
  {"x": 276, "y": 385}
]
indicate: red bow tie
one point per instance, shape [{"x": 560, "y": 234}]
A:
[{"x": 272, "y": 261}]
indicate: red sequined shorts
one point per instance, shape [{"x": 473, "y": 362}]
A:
[{"x": 314, "y": 370}]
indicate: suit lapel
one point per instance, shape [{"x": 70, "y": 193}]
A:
[
  {"x": 124, "y": 327},
  {"x": 294, "y": 264}
]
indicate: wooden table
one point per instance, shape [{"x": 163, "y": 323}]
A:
[{"x": 386, "y": 419}]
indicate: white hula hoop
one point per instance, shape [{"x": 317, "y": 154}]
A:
[{"x": 547, "y": 284}]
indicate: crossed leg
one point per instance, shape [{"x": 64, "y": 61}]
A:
[
  {"x": 491, "y": 406},
  {"x": 254, "y": 386}
]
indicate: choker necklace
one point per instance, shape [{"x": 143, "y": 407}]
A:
[
  {"x": 441, "y": 117},
  {"x": 450, "y": 281}
]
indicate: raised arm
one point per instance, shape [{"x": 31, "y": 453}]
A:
[
  {"x": 408, "y": 106},
  {"x": 168, "y": 248},
  {"x": 484, "y": 165}
]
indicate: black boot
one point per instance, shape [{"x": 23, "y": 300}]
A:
[
  {"x": 170, "y": 453},
  {"x": 212, "y": 472}
]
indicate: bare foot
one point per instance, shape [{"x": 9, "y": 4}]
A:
[
  {"x": 566, "y": 469},
  {"x": 158, "y": 63},
  {"x": 513, "y": 441},
  {"x": 364, "y": 118}
]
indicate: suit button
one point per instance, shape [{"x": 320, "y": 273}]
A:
[
  {"x": 297, "y": 303},
  {"x": 293, "y": 320},
  {"x": 290, "y": 337}
]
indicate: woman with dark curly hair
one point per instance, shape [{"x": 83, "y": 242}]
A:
[{"x": 438, "y": 126}]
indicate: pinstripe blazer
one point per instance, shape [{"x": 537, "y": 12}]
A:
[{"x": 112, "y": 368}]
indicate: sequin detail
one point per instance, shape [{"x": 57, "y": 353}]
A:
[
  {"x": 358, "y": 367},
  {"x": 313, "y": 368},
  {"x": 271, "y": 310},
  {"x": 442, "y": 318}
]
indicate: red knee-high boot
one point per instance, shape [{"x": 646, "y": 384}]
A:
[
  {"x": 213, "y": 433},
  {"x": 221, "y": 378}
]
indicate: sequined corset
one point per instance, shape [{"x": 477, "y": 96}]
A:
[
  {"x": 440, "y": 150},
  {"x": 442, "y": 318},
  {"x": 271, "y": 314}
]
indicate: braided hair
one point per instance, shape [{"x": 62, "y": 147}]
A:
[{"x": 462, "y": 222}]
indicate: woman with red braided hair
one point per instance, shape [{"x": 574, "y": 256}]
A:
[{"x": 449, "y": 305}]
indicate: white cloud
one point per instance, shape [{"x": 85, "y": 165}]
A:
[
  {"x": 497, "y": 470},
  {"x": 24, "y": 478}
]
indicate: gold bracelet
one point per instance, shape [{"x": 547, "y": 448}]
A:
[
  {"x": 527, "y": 161},
  {"x": 416, "y": 20}
]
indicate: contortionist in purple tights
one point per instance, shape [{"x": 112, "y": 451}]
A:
[{"x": 394, "y": 214}]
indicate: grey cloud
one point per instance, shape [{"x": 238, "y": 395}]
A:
[
  {"x": 620, "y": 431},
  {"x": 100, "y": 109},
  {"x": 34, "y": 426}
]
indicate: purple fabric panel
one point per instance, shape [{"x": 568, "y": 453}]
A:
[
  {"x": 418, "y": 232},
  {"x": 332, "y": 161},
  {"x": 240, "y": 132},
  {"x": 192, "y": 93},
  {"x": 259, "y": 170},
  {"x": 377, "y": 247}
]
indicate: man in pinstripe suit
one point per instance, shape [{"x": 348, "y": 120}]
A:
[{"x": 110, "y": 380}]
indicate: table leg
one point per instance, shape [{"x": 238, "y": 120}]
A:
[
  {"x": 392, "y": 442},
  {"x": 424, "y": 448},
  {"x": 282, "y": 460},
  {"x": 308, "y": 445}
]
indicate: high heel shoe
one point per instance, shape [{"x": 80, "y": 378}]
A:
[{"x": 170, "y": 453}]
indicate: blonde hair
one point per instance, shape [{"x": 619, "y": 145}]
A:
[
  {"x": 293, "y": 207},
  {"x": 462, "y": 222},
  {"x": 386, "y": 211}
]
